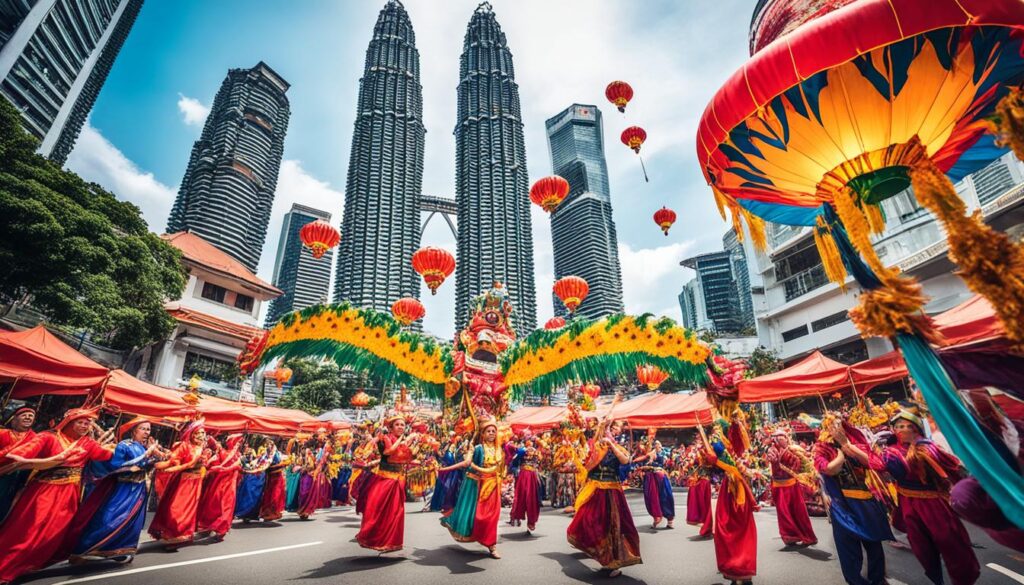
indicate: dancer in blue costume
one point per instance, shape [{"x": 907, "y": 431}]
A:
[
  {"x": 108, "y": 523},
  {"x": 658, "y": 498},
  {"x": 449, "y": 476},
  {"x": 250, "y": 488}
]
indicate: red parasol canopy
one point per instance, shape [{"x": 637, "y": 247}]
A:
[
  {"x": 813, "y": 376},
  {"x": 40, "y": 363}
]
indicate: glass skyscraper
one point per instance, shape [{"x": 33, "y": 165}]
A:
[
  {"x": 303, "y": 278},
  {"x": 738, "y": 257},
  {"x": 380, "y": 228},
  {"x": 54, "y": 57},
  {"x": 228, "y": 188},
  {"x": 716, "y": 284},
  {"x": 491, "y": 184},
  {"x": 582, "y": 229}
]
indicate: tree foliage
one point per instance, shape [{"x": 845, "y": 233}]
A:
[
  {"x": 763, "y": 361},
  {"x": 78, "y": 254},
  {"x": 319, "y": 386}
]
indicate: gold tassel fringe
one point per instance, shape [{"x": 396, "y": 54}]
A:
[
  {"x": 737, "y": 225},
  {"x": 858, "y": 227},
  {"x": 990, "y": 263},
  {"x": 758, "y": 236},
  {"x": 720, "y": 201},
  {"x": 1009, "y": 130},
  {"x": 893, "y": 308},
  {"x": 830, "y": 258},
  {"x": 873, "y": 213}
]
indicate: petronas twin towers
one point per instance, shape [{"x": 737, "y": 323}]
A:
[{"x": 380, "y": 229}]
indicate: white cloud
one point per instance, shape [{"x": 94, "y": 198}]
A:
[
  {"x": 95, "y": 159},
  {"x": 652, "y": 278},
  {"x": 193, "y": 112}
]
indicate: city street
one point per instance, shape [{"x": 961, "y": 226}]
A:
[{"x": 324, "y": 551}]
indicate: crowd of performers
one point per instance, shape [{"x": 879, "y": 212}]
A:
[{"x": 80, "y": 493}]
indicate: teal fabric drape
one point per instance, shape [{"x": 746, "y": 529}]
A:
[
  {"x": 462, "y": 517},
  {"x": 965, "y": 436}
]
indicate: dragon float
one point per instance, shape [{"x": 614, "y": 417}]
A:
[{"x": 487, "y": 365}]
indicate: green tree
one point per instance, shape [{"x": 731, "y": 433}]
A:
[
  {"x": 319, "y": 386},
  {"x": 763, "y": 361},
  {"x": 75, "y": 252}
]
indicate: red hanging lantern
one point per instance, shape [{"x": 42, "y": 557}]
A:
[
  {"x": 360, "y": 399},
  {"x": 650, "y": 376},
  {"x": 549, "y": 192},
  {"x": 554, "y": 323},
  {"x": 407, "y": 310},
  {"x": 591, "y": 390},
  {"x": 571, "y": 290},
  {"x": 319, "y": 236},
  {"x": 619, "y": 93},
  {"x": 280, "y": 376},
  {"x": 434, "y": 265},
  {"x": 665, "y": 217},
  {"x": 634, "y": 137}
]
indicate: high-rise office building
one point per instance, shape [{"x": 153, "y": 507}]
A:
[
  {"x": 716, "y": 284},
  {"x": 54, "y": 57},
  {"x": 691, "y": 304},
  {"x": 228, "y": 188},
  {"x": 303, "y": 278},
  {"x": 738, "y": 257},
  {"x": 380, "y": 227},
  {"x": 491, "y": 184},
  {"x": 582, "y": 229}
]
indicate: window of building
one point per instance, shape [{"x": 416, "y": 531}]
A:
[
  {"x": 243, "y": 302},
  {"x": 799, "y": 269},
  {"x": 826, "y": 322},
  {"x": 213, "y": 292},
  {"x": 795, "y": 333},
  {"x": 210, "y": 369}
]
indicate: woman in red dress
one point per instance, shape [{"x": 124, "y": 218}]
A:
[
  {"x": 175, "y": 521},
  {"x": 787, "y": 462},
  {"x": 698, "y": 493},
  {"x": 273, "y": 499},
  {"x": 382, "y": 498},
  {"x": 34, "y": 530},
  {"x": 217, "y": 500}
]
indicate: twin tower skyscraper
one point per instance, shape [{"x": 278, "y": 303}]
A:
[{"x": 381, "y": 223}]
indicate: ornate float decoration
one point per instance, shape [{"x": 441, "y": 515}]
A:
[
  {"x": 319, "y": 236},
  {"x": 854, "y": 106},
  {"x": 434, "y": 265}
]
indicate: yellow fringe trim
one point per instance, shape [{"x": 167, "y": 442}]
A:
[
  {"x": 721, "y": 201},
  {"x": 990, "y": 263},
  {"x": 876, "y": 221},
  {"x": 858, "y": 227},
  {"x": 1009, "y": 130},
  {"x": 758, "y": 235},
  {"x": 835, "y": 270}
]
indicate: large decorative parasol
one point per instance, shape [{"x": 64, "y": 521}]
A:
[{"x": 852, "y": 107}]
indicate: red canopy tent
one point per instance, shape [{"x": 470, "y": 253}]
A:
[
  {"x": 969, "y": 322},
  {"x": 665, "y": 410},
  {"x": 537, "y": 418},
  {"x": 134, "y": 396},
  {"x": 38, "y": 362},
  {"x": 813, "y": 376},
  {"x": 885, "y": 368}
]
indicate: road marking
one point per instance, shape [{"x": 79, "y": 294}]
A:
[
  {"x": 184, "y": 563},
  {"x": 1011, "y": 574}
]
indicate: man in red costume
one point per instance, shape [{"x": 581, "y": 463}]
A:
[
  {"x": 19, "y": 431},
  {"x": 924, "y": 473},
  {"x": 787, "y": 461},
  {"x": 35, "y": 528}
]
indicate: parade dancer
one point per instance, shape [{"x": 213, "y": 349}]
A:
[
  {"x": 658, "y": 498},
  {"x": 787, "y": 463},
  {"x": 698, "y": 495},
  {"x": 449, "y": 476},
  {"x": 603, "y": 525},
  {"x": 526, "y": 504},
  {"x": 35, "y": 529},
  {"x": 924, "y": 473},
  {"x": 382, "y": 497},
  {"x": 478, "y": 507},
  {"x": 859, "y": 522},
  {"x": 220, "y": 490},
  {"x": 175, "y": 521},
  {"x": 315, "y": 485},
  {"x": 251, "y": 486},
  {"x": 272, "y": 503},
  {"x": 109, "y": 522},
  {"x": 19, "y": 431}
]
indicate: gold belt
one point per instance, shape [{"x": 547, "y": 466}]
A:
[
  {"x": 60, "y": 475},
  {"x": 389, "y": 474},
  {"x": 478, "y": 476},
  {"x": 528, "y": 468},
  {"x": 920, "y": 494},
  {"x": 136, "y": 477},
  {"x": 783, "y": 483},
  {"x": 856, "y": 494}
]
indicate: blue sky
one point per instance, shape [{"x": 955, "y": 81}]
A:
[{"x": 675, "y": 54}]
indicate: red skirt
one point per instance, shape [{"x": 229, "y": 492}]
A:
[
  {"x": 735, "y": 535},
  {"x": 794, "y": 522},
  {"x": 526, "y": 505},
  {"x": 603, "y": 528},
  {"x": 383, "y": 524},
  {"x": 272, "y": 502},
  {"x": 698, "y": 506},
  {"x": 34, "y": 531},
  {"x": 175, "y": 519},
  {"x": 217, "y": 503}
]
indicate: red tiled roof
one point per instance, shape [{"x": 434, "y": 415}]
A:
[
  {"x": 199, "y": 251},
  {"x": 211, "y": 323}
]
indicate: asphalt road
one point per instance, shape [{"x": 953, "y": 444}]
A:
[{"x": 324, "y": 551}]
